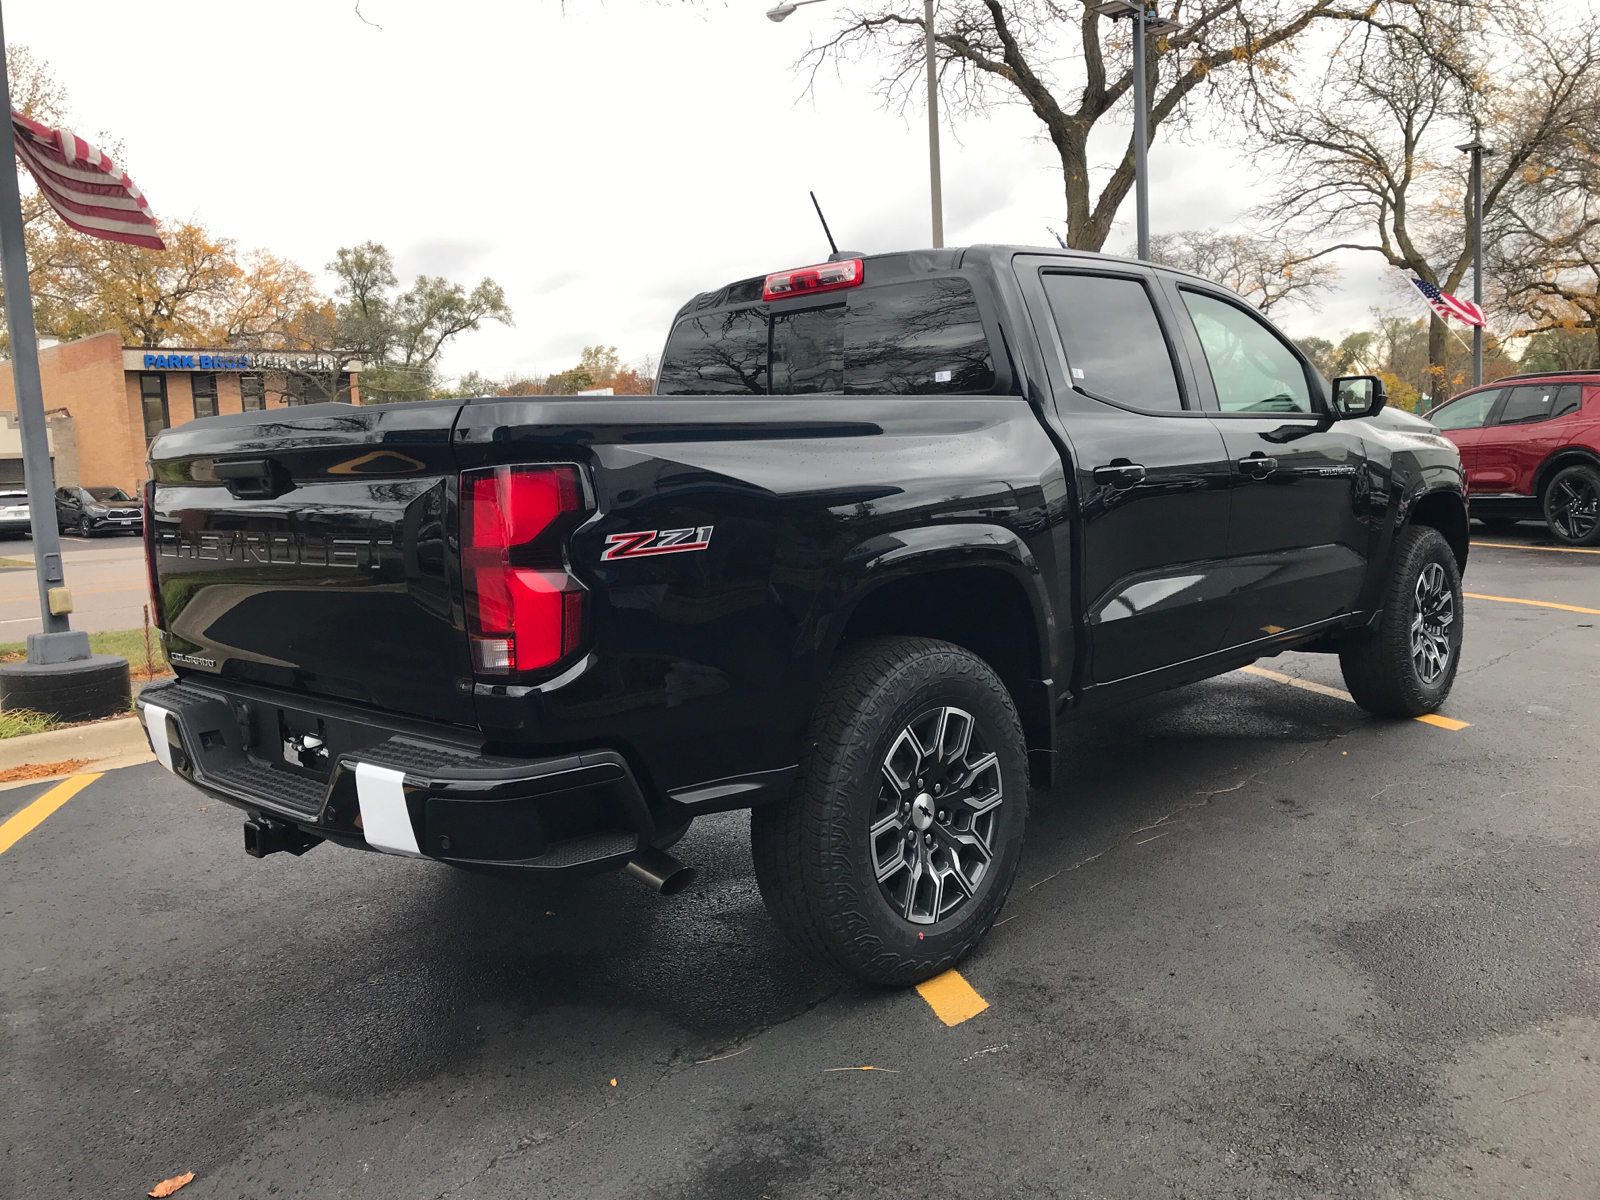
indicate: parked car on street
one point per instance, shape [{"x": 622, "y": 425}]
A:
[
  {"x": 14, "y": 514},
  {"x": 88, "y": 511},
  {"x": 887, "y": 521},
  {"x": 1531, "y": 448}
]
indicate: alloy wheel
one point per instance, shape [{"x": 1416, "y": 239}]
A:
[
  {"x": 1574, "y": 507},
  {"x": 1432, "y": 618},
  {"x": 932, "y": 833}
]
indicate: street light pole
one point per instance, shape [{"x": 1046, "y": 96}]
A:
[
  {"x": 935, "y": 185},
  {"x": 1477, "y": 149},
  {"x": 1141, "y": 181},
  {"x": 1145, "y": 22}
]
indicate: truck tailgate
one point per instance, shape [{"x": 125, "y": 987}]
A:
[{"x": 312, "y": 549}]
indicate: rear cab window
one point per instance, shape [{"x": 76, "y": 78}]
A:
[{"x": 917, "y": 338}]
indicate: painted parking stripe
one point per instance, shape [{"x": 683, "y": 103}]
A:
[
  {"x": 952, "y": 998},
  {"x": 29, "y": 818},
  {"x": 1323, "y": 689},
  {"x": 1551, "y": 549},
  {"x": 1534, "y": 603}
]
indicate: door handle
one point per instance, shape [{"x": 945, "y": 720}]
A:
[
  {"x": 1258, "y": 465},
  {"x": 1119, "y": 474}
]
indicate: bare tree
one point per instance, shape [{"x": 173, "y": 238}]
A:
[
  {"x": 1545, "y": 259},
  {"x": 1264, "y": 270},
  {"x": 1065, "y": 63},
  {"x": 1371, "y": 157}
]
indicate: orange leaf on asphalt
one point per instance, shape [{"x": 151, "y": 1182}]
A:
[{"x": 167, "y": 1186}]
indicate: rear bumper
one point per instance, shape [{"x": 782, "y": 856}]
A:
[{"x": 406, "y": 794}]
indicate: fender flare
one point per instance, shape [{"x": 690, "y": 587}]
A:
[{"x": 890, "y": 557}]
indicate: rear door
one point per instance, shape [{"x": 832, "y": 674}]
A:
[
  {"x": 1299, "y": 533},
  {"x": 1534, "y": 420},
  {"x": 310, "y": 549},
  {"x": 1151, "y": 470}
]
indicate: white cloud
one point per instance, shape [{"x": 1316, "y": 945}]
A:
[{"x": 603, "y": 162}]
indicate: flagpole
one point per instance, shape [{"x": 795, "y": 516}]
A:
[{"x": 58, "y": 643}]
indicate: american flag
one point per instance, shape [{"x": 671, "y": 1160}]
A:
[
  {"x": 1448, "y": 306},
  {"x": 83, "y": 186}
]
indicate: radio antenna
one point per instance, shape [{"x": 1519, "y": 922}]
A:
[{"x": 832, "y": 245}]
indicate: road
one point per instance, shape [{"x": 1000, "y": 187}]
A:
[
  {"x": 106, "y": 575},
  {"x": 1262, "y": 945}
]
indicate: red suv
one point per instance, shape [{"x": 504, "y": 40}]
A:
[{"x": 1531, "y": 446}]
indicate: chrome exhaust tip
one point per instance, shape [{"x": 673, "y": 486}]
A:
[{"x": 659, "y": 871}]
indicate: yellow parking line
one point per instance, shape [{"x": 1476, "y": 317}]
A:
[
  {"x": 1552, "y": 549},
  {"x": 952, "y": 998},
  {"x": 1535, "y": 603},
  {"x": 1323, "y": 689},
  {"x": 25, "y": 822},
  {"x": 1443, "y": 722}
]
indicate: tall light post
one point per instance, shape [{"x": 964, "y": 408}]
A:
[
  {"x": 1145, "y": 21},
  {"x": 1478, "y": 151},
  {"x": 935, "y": 187}
]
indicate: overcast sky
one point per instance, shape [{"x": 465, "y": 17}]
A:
[{"x": 603, "y": 163}]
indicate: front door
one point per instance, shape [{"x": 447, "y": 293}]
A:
[
  {"x": 1301, "y": 528},
  {"x": 1151, "y": 471},
  {"x": 1462, "y": 421}
]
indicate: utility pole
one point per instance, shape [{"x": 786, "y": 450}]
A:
[
  {"x": 1478, "y": 150},
  {"x": 57, "y": 643},
  {"x": 935, "y": 188}
]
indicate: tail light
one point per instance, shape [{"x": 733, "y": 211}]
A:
[
  {"x": 149, "y": 524},
  {"x": 802, "y": 281},
  {"x": 524, "y": 608}
]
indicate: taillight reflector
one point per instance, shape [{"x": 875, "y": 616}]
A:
[
  {"x": 150, "y": 554},
  {"x": 521, "y": 614},
  {"x": 824, "y": 277}
]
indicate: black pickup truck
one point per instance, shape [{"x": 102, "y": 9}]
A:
[{"x": 885, "y": 523}]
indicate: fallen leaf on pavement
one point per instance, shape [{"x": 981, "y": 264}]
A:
[
  {"x": 167, "y": 1186},
  {"x": 41, "y": 770}
]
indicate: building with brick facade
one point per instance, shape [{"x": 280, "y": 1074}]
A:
[{"x": 105, "y": 402}]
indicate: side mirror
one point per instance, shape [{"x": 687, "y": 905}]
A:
[{"x": 1358, "y": 396}]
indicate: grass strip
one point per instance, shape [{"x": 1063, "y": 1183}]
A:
[{"x": 129, "y": 643}]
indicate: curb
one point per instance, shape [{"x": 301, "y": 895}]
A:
[{"x": 119, "y": 742}]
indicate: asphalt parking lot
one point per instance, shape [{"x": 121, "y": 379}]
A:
[
  {"x": 1262, "y": 945},
  {"x": 106, "y": 574}
]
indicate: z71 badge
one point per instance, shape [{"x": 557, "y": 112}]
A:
[{"x": 651, "y": 541}]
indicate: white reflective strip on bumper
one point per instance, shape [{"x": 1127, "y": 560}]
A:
[
  {"x": 384, "y": 818},
  {"x": 155, "y": 724}
]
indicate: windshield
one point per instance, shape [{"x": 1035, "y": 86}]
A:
[{"x": 109, "y": 493}]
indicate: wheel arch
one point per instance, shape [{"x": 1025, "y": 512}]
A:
[
  {"x": 1558, "y": 461},
  {"x": 1444, "y": 509},
  {"x": 977, "y": 587}
]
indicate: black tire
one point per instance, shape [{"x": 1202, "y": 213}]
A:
[
  {"x": 815, "y": 855},
  {"x": 85, "y": 530},
  {"x": 1572, "y": 506},
  {"x": 1400, "y": 667}
]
